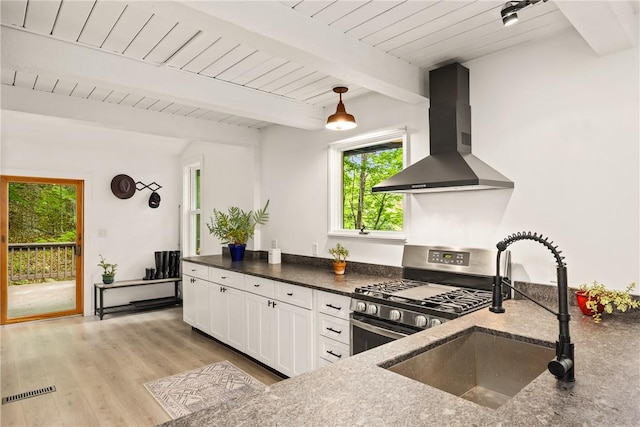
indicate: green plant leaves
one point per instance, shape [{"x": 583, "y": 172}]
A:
[{"x": 237, "y": 226}]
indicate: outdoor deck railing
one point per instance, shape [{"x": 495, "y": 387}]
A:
[{"x": 36, "y": 261}]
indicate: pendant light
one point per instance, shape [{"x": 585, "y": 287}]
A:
[{"x": 341, "y": 120}]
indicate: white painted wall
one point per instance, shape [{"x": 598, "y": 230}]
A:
[
  {"x": 559, "y": 121},
  {"x": 51, "y": 147},
  {"x": 228, "y": 179}
]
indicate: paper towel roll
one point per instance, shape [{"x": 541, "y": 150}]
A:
[{"x": 274, "y": 256}]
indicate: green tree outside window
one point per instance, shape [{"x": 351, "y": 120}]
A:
[{"x": 362, "y": 169}]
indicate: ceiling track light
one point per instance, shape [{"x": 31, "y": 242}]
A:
[
  {"x": 509, "y": 10},
  {"x": 341, "y": 120}
]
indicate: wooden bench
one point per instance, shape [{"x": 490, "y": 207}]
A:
[{"x": 101, "y": 310}]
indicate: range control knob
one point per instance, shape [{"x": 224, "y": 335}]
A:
[
  {"x": 372, "y": 309},
  {"x": 435, "y": 322},
  {"x": 360, "y": 306},
  {"x": 394, "y": 315},
  {"x": 421, "y": 321}
]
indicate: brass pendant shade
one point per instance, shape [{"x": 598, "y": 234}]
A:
[{"x": 340, "y": 120}]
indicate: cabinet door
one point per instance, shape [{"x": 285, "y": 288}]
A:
[
  {"x": 294, "y": 339},
  {"x": 201, "y": 319},
  {"x": 260, "y": 328},
  {"x": 218, "y": 312},
  {"x": 235, "y": 318},
  {"x": 188, "y": 300}
]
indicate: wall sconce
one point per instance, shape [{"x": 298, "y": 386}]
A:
[
  {"x": 509, "y": 10},
  {"x": 341, "y": 120}
]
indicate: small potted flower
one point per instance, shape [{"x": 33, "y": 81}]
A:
[
  {"x": 596, "y": 299},
  {"x": 340, "y": 254},
  {"x": 108, "y": 270}
]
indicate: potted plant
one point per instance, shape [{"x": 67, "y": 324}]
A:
[
  {"x": 108, "y": 270},
  {"x": 596, "y": 299},
  {"x": 236, "y": 227},
  {"x": 340, "y": 254}
]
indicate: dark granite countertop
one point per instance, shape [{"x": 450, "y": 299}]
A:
[
  {"x": 358, "y": 391},
  {"x": 315, "y": 277}
]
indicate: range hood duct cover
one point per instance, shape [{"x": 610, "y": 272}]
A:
[{"x": 450, "y": 165}]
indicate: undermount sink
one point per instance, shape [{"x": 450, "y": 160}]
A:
[{"x": 480, "y": 367}]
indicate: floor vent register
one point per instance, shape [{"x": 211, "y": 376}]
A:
[{"x": 28, "y": 394}]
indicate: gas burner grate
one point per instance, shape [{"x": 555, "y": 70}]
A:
[
  {"x": 460, "y": 300},
  {"x": 390, "y": 287}
]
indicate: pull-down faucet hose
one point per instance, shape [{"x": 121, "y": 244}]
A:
[{"x": 563, "y": 365}]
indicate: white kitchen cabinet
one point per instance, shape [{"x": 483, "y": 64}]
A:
[
  {"x": 218, "y": 312},
  {"x": 332, "y": 304},
  {"x": 280, "y": 333},
  {"x": 201, "y": 305},
  {"x": 188, "y": 301},
  {"x": 333, "y": 329},
  {"x": 260, "y": 328},
  {"x": 294, "y": 339},
  {"x": 331, "y": 350},
  {"x": 226, "y": 308},
  {"x": 195, "y": 295}
]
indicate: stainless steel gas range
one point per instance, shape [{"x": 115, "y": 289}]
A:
[{"x": 439, "y": 284}]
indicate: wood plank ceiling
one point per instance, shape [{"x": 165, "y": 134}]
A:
[{"x": 204, "y": 43}]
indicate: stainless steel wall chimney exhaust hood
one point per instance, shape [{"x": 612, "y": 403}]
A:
[{"x": 450, "y": 165}]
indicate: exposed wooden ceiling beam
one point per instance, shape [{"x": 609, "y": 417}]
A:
[
  {"x": 607, "y": 26},
  {"x": 280, "y": 30},
  {"x": 124, "y": 118},
  {"x": 25, "y": 51}
]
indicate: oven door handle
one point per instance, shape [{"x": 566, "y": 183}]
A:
[{"x": 377, "y": 330}]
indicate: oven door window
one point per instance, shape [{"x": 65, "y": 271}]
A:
[{"x": 368, "y": 333}]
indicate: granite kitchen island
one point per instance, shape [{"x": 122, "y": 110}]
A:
[{"x": 360, "y": 391}]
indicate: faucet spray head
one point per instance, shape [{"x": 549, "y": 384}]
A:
[{"x": 496, "y": 301}]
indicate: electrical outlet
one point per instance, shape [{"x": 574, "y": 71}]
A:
[
  {"x": 102, "y": 232},
  {"x": 274, "y": 244},
  {"x": 314, "y": 249}
]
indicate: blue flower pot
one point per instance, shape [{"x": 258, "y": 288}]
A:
[{"x": 237, "y": 252}]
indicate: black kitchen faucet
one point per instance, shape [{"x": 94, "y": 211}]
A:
[{"x": 563, "y": 365}]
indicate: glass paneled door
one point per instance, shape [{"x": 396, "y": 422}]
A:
[{"x": 41, "y": 245}]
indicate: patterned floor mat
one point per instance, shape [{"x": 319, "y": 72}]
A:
[{"x": 200, "y": 388}]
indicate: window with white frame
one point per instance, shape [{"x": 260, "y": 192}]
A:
[
  {"x": 192, "y": 175},
  {"x": 355, "y": 166}
]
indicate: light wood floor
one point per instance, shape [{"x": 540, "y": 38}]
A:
[{"x": 99, "y": 367}]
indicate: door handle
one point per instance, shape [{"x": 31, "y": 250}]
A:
[{"x": 78, "y": 250}]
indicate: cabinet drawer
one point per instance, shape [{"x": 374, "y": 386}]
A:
[
  {"x": 334, "y": 328},
  {"x": 293, "y": 294},
  {"x": 332, "y": 304},
  {"x": 259, "y": 286},
  {"x": 195, "y": 270},
  {"x": 226, "y": 277},
  {"x": 331, "y": 350},
  {"x": 323, "y": 362}
]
